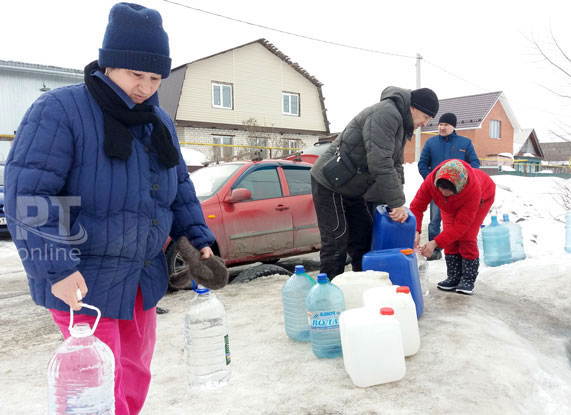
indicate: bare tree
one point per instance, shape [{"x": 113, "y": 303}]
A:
[
  {"x": 557, "y": 58},
  {"x": 259, "y": 135},
  {"x": 562, "y": 196}
]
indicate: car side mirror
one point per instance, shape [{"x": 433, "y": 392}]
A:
[{"x": 238, "y": 195}]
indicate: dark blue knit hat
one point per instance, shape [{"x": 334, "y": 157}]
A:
[{"x": 135, "y": 39}]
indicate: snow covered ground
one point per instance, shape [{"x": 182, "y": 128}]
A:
[{"x": 505, "y": 350}]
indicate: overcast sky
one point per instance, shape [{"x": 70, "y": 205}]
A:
[{"x": 467, "y": 47}]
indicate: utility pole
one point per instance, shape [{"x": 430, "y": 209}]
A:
[{"x": 417, "y": 139}]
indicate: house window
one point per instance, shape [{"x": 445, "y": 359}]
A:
[
  {"x": 261, "y": 142},
  {"x": 222, "y": 95},
  {"x": 291, "y": 144},
  {"x": 494, "y": 129},
  {"x": 221, "y": 152},
  {"x": 290, "y": 104}
]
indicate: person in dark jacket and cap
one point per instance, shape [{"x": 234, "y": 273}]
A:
[
  {"x": 444, "y": 146},
  {"x": 362, "y": 169},
  {"x": 94, "y": 185}
]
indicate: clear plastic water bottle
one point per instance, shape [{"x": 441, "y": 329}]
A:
[
  {"x": 81, "y": 373},
  {"x": 516, "y": 239},
  {"x": 568, "y": 232},
  {"x": 325, "y": 302},
  {"x": 497, "y": 249},
  {"x": 206, "y": 346},
  {"x": 480, "y": 240},
  {"x": 294, "y": 293},
  {"x": 423, "y": 273}
]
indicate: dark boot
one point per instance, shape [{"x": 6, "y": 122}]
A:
[
  {"x": 469, "y": 274},
  {"x": 454, "y": 271}
]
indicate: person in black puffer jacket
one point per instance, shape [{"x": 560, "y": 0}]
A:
[{"x": 367, "y": 158}]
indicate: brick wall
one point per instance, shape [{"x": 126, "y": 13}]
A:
[{"x": 483, "y": 144}]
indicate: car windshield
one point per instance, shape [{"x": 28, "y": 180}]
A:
[
  {"x": 318, "y": 148},
  {"x": 209, "y": 179}
]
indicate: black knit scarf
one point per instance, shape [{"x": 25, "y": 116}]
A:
[{"x": 117, "y": 117}]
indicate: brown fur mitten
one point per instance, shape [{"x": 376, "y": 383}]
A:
[{"x": 210, "y": 272}]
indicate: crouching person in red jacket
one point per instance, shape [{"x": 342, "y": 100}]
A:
[{"x": 464, "y": 195}]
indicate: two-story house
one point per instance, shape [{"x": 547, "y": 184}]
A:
[
  {"x": 486, "y": 119},
  {"x": 251, "y": 96}
]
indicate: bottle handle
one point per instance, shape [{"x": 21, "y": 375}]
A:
[{"x": 78, "y": 294}]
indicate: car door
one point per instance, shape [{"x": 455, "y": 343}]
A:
[
  {"x": 300, "y": 200},
  {"x": 263, "y": 223}
]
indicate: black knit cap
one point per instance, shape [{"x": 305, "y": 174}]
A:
[
  {"x": 448, "y": 118},
  {"x": 135, "y": 39},
  {"x": 425, "y": 100}
]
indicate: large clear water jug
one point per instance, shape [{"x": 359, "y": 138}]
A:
[
  {"x": 206, "y": 345},
  {"x": 81, "y": 373},
  {"x": 294, "y": 293},
  {"x": 497, "y": 249},
  {"x": 325, "y": 303},
  {"x": 568, "y": 232},
  {"x": 372, "y": 346},
  {"x": 355, "y": 283},
  {"x": 516, "y": 239},
  {"x": 390, "y": 234}
]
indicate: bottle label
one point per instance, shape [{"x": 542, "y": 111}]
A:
[
  {"x": 227, "y": 347},
  {"x": 323, "y": 320}
]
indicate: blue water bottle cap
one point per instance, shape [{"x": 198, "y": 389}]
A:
[
  {"x": 494, "y": 219},
  {"x": 322, "y": 278},
  {"x": 199, "y": 289},
  {"x": 482, "y": 226},
  {"x": 299, "y": 269},
  {"x": 506, "y": 217}
]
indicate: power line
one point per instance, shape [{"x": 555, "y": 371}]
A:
[
  {"x": 454, "y": 75},
  {"x": 341, "y": 45},
  {"x": 290, "y": 33}
]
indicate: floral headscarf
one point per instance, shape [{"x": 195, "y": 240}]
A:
[{"x": 455, "y": 172}]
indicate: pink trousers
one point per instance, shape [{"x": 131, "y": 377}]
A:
[{"x": 132, "y": 343}]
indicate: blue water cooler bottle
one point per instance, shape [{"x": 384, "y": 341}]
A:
[
  {"x": 481, "y": 242},
  {"x": 516, "y": 239},
  {"x": 294, "y": 293},
  {"x": 325, "y": 303},
  {"x": 497, "y": 249}
]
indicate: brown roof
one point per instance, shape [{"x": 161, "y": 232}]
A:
[
  {"x": 470, "y": 110},
  {"x": 556, "y": 151}
]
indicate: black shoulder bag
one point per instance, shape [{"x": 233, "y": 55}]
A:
[{"x": 339, "y": 169}]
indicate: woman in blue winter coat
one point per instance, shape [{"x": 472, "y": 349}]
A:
[{"x": 95, "y": 183}]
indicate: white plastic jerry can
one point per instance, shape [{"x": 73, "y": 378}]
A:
[
  {"x": 372, "y": 346},
  {"x": 400, "y": 300},
  {"x": 355, "y": 283}
]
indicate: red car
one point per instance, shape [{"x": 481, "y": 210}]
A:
[{"x": 257, "y": 210}]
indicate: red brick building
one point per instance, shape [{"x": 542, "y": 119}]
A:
[{"x": 486, "y": 119}]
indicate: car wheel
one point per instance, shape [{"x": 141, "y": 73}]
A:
[
  {"x": 260, "y": 271},
  {"x": 174, "y": 264}
]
